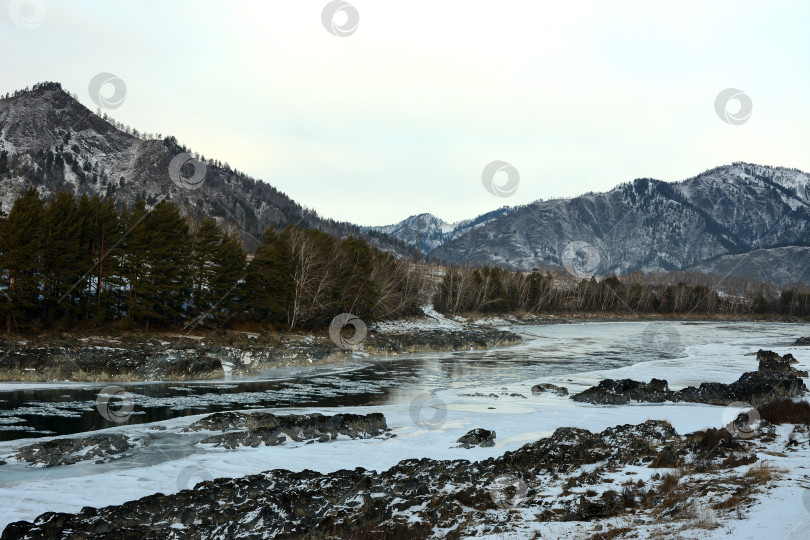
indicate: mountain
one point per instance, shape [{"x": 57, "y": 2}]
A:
[
  {"x": 427, "y": 232},
  {"x": 783, "y": 266},
  {"x": 649, "y": 224},
  {"x": 51, "y": 141}
]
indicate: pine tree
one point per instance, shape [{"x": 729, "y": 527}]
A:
[
  {"x": 62, "y": 273},
  {"x": 167, "y": 283},
  {"x": 268, "y": 282},
  {"x": 20, "y": 259}
]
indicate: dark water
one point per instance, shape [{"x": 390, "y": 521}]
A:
[{"x": 547, "y": 350}]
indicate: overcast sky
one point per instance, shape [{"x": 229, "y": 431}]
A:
[{"x": 402, "y": 115}]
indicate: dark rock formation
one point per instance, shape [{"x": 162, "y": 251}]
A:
[
  {"x": 610, "y": 392},
  {"x": 772, "y": 362},
  {"x": 67, "y": 451},
  {"x": 477, "y": 437},
  {"x": 254, "y": 429},
  {"x": 802, "y": 341},
  {"x": 546, "y": 387},
  {"x": 775, "y": 378},
  {"x": 417, "y": 498}
]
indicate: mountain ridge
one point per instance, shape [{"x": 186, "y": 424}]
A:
[{"x": 55, "y": 143}]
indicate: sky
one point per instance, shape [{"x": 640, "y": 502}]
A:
[{"x": 401, "y": 113}]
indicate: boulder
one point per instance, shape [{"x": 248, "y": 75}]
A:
[
  {"x": 546, "y": 387},
  {"x": 611, "y": 392},
  {"x": 477, "y": 437}
]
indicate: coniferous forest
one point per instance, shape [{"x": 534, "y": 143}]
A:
[{"x": 68, "y": 262}]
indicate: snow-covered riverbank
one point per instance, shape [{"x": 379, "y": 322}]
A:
[{"x": 429, "y": 425}]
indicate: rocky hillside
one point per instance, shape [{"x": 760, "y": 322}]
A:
[
  {"x": 649, "y": 224},
  {"x": 783, "y": 266},
  {"x": 51, "y": 141}
]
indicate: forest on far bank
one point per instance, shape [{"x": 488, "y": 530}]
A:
[{"x": 66, "y": 263}]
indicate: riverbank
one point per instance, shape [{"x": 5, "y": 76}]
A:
[{"x": 131, "y": 357}]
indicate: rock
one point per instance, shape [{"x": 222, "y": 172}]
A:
[
  {"x": 769, "y": 361},
  {"x": 610, "y": 392},
  {"x": 67, "y": 451},
  {"x": 255, "y": 429},
  {"x": 440, "y": 498},
  {"x": 802, "y": 341},
  {"x": 546, "y": 387},
  {"x": 775, "y": 378},
  {"x": 477, "y": 437}
]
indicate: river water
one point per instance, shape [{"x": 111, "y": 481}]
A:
[{"x": 37, "y": 410}]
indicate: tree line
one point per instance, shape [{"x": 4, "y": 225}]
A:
[
  {"x": 66, "y": 262},
  {"x": 493, "y": 290}
]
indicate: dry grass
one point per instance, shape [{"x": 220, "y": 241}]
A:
[
  {"x": 764, "y": 472},
  {"x": 785, "y": 411}
]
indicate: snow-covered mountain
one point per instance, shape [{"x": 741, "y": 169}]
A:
[
  {"x": 650, "y": 224},
  {"x": 51, "y": 141},
  {"x": 428, "y": 232}
]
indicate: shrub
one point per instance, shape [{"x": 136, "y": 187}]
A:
[{"x": 785, "y": 411}]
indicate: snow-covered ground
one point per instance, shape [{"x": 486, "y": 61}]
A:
[{"x": 427, "y": 427}]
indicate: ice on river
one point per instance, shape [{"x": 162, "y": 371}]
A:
[{"x": 428, "y": 425}]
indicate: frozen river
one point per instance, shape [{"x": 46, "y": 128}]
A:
[{"x": 429, "y": 401}]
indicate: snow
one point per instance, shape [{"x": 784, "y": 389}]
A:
[{"x": 428, "y": 427}]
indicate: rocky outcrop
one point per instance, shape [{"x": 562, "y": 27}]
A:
[
  {"x": 547, "y": 387},
  {"x": 67, "y": 451},
  {"x": 477, "y": 437},
  {"x": 145, "y": 361},
  {"x": 255, "y": 429},
  {"x": 775, "y": 378},
  {"x": 417, "y": 498},
  {"x": 151, "y": 357},
  {"x": 610, "y": 392},
  {"x": 771, "y": 362},
  {"x": 804, "y": 341}
]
